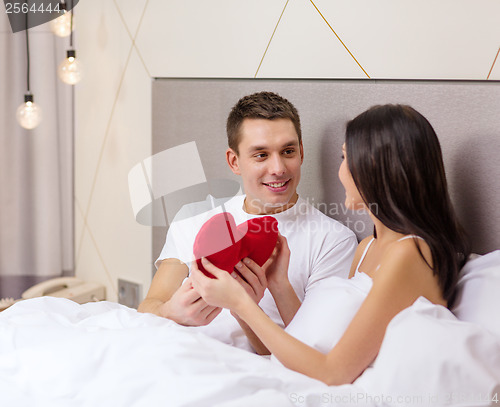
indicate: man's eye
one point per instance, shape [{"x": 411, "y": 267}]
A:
[
  {"x": 289, "y": 151},
  {"x": 260, "y": 155}
]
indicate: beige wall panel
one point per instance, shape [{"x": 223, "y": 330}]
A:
[
  {"x": 224, "y": 38},
  {"x": 450, "y": 39},
  {"x": 304, "y": 46},
  {"x": 123, "y": 243},
  {"x": 103, "y": 46},
  {"x": 131, "y": 11}
]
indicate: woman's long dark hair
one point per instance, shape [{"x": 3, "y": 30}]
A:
[{"x": 395, "y": 160}]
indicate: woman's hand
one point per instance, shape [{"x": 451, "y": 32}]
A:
[
  {"x": 252, "y": 277},
  {"x": 276, "y": 267},
  {"x": 222, "y": 291}
]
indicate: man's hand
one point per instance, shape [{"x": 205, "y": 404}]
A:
[
  {"x": 276, "y": 267},
  {"x": 170, "y": 298},
  {"x": 186, "y": 307}
]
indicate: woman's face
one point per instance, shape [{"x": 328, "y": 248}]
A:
[{"x": 353, "y": 198}]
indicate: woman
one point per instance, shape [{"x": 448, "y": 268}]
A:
[{"x": 393, "y": 168}]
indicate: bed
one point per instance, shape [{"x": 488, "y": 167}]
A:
[{"x": 54, "y": 352}]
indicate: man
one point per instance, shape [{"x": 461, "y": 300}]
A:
[{"x": 265, "y": 149}]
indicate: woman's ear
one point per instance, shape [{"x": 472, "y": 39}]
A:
[{"x": 233, "y": 161}]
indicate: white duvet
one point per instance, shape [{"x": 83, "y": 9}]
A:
[{"x": 54, "y": 352}]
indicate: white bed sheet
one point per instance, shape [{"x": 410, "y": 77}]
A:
[{"x": 54, "y": 352}]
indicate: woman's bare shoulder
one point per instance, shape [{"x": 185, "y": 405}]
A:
[
  {"x": 411, "y": 249},
  {"x": 404, "y": 257},
  {"x": 405, "y": 271}
]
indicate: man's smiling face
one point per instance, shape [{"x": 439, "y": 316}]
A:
[{"x": 269, "y": 162}]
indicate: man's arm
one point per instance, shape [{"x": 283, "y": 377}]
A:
[
  {"x": 169, "y": 298},
  {"x": 276, "y": 269},
  {"x": 254, "y": 340},
  {"x": 166, "y": 281},
  {"x": 286, "y": 301}
]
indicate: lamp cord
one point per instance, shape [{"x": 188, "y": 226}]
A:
[
  {"x": 71, "y": 27},
  {"x": 27, "y": 51}
]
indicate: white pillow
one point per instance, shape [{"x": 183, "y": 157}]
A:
[
  {"x": 429, "y": 357},
  {"x": 327, "y": 309},
  {"x": 478, "y": 292}
]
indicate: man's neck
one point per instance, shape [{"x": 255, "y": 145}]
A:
[{"x": 268, "y": 209}]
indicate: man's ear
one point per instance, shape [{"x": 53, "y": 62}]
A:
[
  {"x": 301, "y": 147},
  {"x": 233, "y": 161}
]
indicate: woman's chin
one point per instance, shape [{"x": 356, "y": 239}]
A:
[{"x": 354, "y": 206}]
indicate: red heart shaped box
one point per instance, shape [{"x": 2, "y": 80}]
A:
[{"x": 224, "y": 244}]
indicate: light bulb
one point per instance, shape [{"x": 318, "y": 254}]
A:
[
  {"x": 70, "y": 70},
  {"x": 61, "y": 26},
  {"x": 29, "y": 113}
]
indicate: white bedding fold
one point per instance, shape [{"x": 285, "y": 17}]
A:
[{"x": 55, "y": 352}]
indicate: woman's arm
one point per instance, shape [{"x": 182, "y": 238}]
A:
[{"x": 397, "y": 284}]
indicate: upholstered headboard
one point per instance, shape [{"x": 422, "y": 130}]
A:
[{"x": 465, "y": 115}]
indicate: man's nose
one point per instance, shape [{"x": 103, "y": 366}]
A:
[{"x": 277, "y": 165}]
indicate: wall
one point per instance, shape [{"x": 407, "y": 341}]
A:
[{"x": 126, "y": 43}]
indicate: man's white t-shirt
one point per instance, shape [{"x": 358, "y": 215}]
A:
[{"x": 320, "y": 247}]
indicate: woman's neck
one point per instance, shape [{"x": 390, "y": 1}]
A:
[{"x": 384, "y": 234}]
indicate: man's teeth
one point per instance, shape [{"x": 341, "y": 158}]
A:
[{"x": 277, "y": 185}]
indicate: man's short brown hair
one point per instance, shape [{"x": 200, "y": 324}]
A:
[{"x": 261, "y": 105}]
